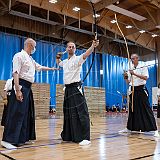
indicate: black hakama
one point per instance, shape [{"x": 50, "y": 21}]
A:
[
  {"x": 142, "y": 117},
  {"x": 5, "y": 109},
  {"x": 158, "y": 109},
  {"x": 76, "y": 126},
  {"x": 20, "y": 120}
]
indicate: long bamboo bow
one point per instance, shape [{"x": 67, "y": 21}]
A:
[{"x": 129, "y": 60}]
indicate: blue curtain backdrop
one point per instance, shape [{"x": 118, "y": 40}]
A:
[
  {"x": 113, "y": 81},
  {"x": 9, "y": 45},
  {"x": 45, "y": 54},
  {"x": 152, "y": 81}
]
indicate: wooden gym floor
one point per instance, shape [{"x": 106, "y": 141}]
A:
[{"x": 107, "y": 144}]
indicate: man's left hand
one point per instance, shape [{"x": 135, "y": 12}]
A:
[
  {"x": 131, "y": 72},
  {"x": 95, "y": 43}
]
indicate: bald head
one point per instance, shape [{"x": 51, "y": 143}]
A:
[
  {"x": 30, "y": 41},
  {"x": 29, "y": 45}
]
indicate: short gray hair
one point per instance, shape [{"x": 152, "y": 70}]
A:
[
  {"x": 29, "y": 40},
  {"x": 135, "y": 54}
]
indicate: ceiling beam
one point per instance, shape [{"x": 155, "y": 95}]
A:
[
  {"x": 130, "y": 9},
  {"x": 155, "y": 2},
  {"x": 147, "y": 10},
  {"x": 99, "y": 6},
  {"x": 4, "y": 4},
  {"x": 147, "y": 25},
  {"x": 131, "y": 37},
  {"x": 104, "y": 3},
  {"x": 103, "y": 23}
]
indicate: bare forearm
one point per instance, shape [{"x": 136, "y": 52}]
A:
[
  {"x": 141, "y": 77},
  {"x": 46, "y": 68},
  {"x": 88, "y": 52},
  {"x": 58, "y": 61},
  {"x": 16, "y": 81}
]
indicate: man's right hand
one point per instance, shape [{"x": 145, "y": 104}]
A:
[
  {"x": 5, "y": 100},
  {"x": 125, "y": 75},
  {"x": 58, "y": 56},
  {"x": 19, "y": 95}
]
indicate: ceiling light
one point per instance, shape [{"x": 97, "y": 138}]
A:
[
  {"x": 128, "y": 27},
  {"x": 158, "y": 26},
  {"x": 154, "y": 35},
  {"x": 142, "y": 31},
  {"x": 96, "y": 15},
  {"x": 76, "y": 9},
  {"x": 117, "y": 2},
  {"x": 94, "y": 1},
  {"x": 53, "y": 1},
  {"x": 113, "y": 21}
]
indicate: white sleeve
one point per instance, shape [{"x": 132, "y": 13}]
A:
[
  {"x": 38, "y": 67},
  {"x": 145, "y": 72},
  {"x": 61, "y": 64},
  {"x": 17, "y": 63},
  {"x": 81, "y": 60},
  {"x": 8, "y": 85},
  {"x": 129, "y": 76}
]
